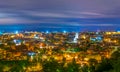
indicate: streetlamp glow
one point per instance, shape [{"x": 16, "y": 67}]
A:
[
  {"x": 16, "y": 32},
  {"x": 64, "y": 31}
]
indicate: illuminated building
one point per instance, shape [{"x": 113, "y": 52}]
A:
[
  {"x": 17, "y": 42},
  {"x": 76, "y": 37}
]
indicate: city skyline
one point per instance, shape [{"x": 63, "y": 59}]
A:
[{"x": 59, "y": 36}]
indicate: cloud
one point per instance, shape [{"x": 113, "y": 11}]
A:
[
  {"x": 52, "y": 22},
  {"x": 54, "y": 14},
  {"x": 91, "y": 13},
  {"x": 94, "y": 8},
  {"x": 103, "y": 25},
  {"x": 69, "y": 14},
  {"x": 67, "y": 18},
  {"x": 15, "y": 21}
]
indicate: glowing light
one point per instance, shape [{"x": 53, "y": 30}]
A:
[
  {"x": 64, "y": 31},
  {"x": 41, "y": 47},
  {"x": 16, "y": 32},
  {"x": 31, "y": 53},
  {"x": 1, "y": 33},
  {"x": 115, "y": 41},
  {"x": 97, "y": 32},
  {"x": 44, "y": 57},
  {"x": 47, "y": 31},
  {"x": 76, "y": 57},
  {"x": 99, "y": 38},
  {"x": 35, "y": 36},
  {"x": 12, "y": 36},
  {"x": 86, "y": 59},
  {"x": 118, "y": 31},
  {"x": 76, "y": 37},
  {"x": 15, "y": 41},
  {"x": 84, "y": 37},
  {"x": 93, "y": 39},
  {"x": 108, "y": 33}
]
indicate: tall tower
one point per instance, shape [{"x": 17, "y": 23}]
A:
[{"x": 76, "y": 37}]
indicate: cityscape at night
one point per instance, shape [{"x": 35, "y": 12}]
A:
[{"x": 59, "y": 36}]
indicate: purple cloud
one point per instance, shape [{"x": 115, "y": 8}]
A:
[{"x": 72, "y": 12}]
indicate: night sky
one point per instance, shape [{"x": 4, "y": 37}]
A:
[{"x": 59, "y": 15}]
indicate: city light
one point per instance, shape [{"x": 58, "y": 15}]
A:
[
  {"x": 59, "y": 36},
  {"x": 31, "y": 53},
  {"x": 118, "y": 31},
  {"x": 1, "y": 33},
  {"x": 76, "y": 37},
  {"x": 47, "y": 32},
  {"x": 62, "y": 47},
  {"x": 64, "y": 31},
  {"x": 16, "y": 32},
  {"x": 15, "y": 41}
]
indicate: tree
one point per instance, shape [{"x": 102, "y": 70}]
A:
[
  {"x": 115, "y": 60},
  {"x": 84, "y": 68},
  {"x": 92, "y": 64},
  {"x": 105, "y": 65},
  {"x": 52, "y": 66},
  {"x": 73, "y": 67}
]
